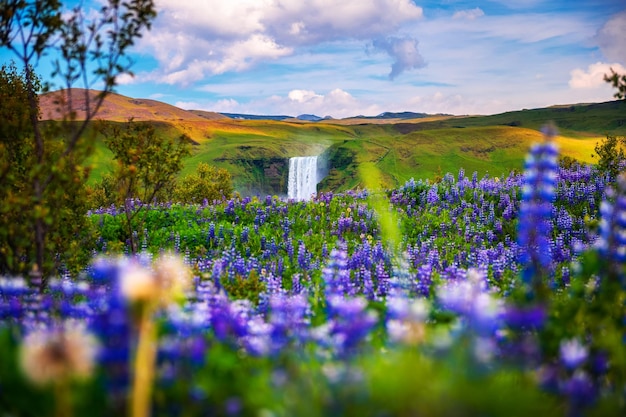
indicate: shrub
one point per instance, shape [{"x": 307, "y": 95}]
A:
[{"x": 207, "y": 183}]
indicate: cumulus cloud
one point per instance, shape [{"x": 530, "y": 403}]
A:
[
  {"x": 404, "y": 51},
  {"x": 192, "y": 39},
  {"x": 594, "y": 75},
  {"x": 611, "y": 38},
  {"x": 304, "y": 96},
  {"x": 297, "y": 22},
  {"x": 337, "y": 103},
  {"x": 469, "y": 14}
]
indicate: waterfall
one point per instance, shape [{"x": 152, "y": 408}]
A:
[{"x": 303, "y": 180}]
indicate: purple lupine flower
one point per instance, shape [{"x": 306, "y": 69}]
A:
[
  {"x": 289, "y": 320},
  {"x": 382, "y": 279},
  {"x": 401, "y": 279},
  {"x": 530, "y": 317},
  {"x": 581, "y": 392},
  {"x": 424, "y": 280},
  {"x": 336, "y": 274},
  {"x": 471, "y": 299},
  {"x": 229, "y": 319},
  {"x": 113, "y": 328},
  {"x": 365, "y": 276},
  {"x": 13, "y": 292},
  {"x": 612, "y": 240},
  {"x": 573, "y": 353},
  {"x": 405, "y": 318},
  {"x": 534, "y": 228},
  {"x": 257, "y": 340},
  {"x": 350, "y": 322},
  {"x": 432, "y": 197}
]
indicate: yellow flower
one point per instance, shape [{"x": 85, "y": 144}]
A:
[{"x": 52, "y": 355}]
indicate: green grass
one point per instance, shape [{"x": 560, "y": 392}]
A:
[
  {"x": 493, "y": 144},
  {"x": 582, "y": 120}
]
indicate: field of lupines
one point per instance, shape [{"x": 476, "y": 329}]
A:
[{"x": 467, "y": 296}]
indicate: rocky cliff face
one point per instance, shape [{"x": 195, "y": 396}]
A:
[{"x": 265, "y": 176}]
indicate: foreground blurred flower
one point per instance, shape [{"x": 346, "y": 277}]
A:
[
  {"x": 167, "y": 281},
  {"x": 150, "y": 288},
  {"x": 137, "y": 283},
  {"x": 472, "y": 300},
  {"x": 407, "y": 319},
  {"x": 534, "y": 227},
  {"x": 51, "y": 355},
  {"x": 573, "y": 353}
]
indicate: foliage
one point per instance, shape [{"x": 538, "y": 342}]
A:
[
  {"x": 104, "y": 193},
  {"x": 568, "y": 162},
  {"x": 83, "y": 50},
  {"x": 207, "y": 183},
  {"x": 146, "y": 166},
  {"x": 617, "y": 81},
  {"x": 611, "y": 155},
  {"x": 59, "y": 208},
  {"x": 248, "y": 288}
]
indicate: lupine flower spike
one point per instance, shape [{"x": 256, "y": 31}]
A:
[
  {"x": 538, "y": 195},
  {"x": 612, "y": 240}
]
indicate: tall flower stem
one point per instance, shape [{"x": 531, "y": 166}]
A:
[
  {"x": 145, "y": 359},
  {"x": 62, "y": 398}
]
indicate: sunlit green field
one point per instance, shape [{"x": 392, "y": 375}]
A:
[{"x": 401, "y": 149}]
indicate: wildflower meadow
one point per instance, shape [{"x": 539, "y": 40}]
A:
[{"x": 467, "y": 296}]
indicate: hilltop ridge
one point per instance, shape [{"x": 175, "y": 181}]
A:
[
  {"x": 597, "y": 118},
  {"x": 115, "y": 107}
]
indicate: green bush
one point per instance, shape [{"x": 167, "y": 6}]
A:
[{"x": 207, "y": 183}]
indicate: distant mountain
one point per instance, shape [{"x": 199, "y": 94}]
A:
[
  {"x": 309, "y": 118},
  {"x": 401, "y": 115},
  {"x": 255, "y": 116}
]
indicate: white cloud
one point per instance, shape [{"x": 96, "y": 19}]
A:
[
  {"x": 337, "y": 103},
  {"x": 593, "y": 77},
  {"x": 469, "y": 14},
  {"x": 188, "y": 105},
  {"x": 124, "y": 79},
  {"x": 228, "y": 105},
  {"x": 612, "y": 38},
  {"x": 329, "y": 20},
  {"x": 303, "y": 96},
  {"x": 192, "y": 39}
]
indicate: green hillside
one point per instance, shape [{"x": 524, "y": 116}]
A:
[
  {"x": 256, "y": 152},
  {"x": 572, "y": 120}
]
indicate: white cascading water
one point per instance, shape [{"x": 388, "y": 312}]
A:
[{"x": 302, "y": 184}]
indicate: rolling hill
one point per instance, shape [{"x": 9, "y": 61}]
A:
[{"x": 403, "y": 145}]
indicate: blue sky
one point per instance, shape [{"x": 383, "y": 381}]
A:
[{"x": 348, "y": 57}]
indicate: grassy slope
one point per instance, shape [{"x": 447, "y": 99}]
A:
[{"x": 419, "y": 148}]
